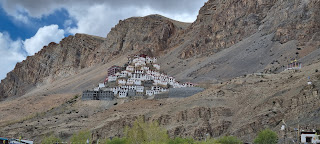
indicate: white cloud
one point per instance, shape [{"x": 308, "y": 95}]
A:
[
  {"x": 13, "y": 51},
  {"x": 10, "y": 53},
  {"x": 97, "y": 17},
  {"x": 183, "y": 17},
  {"x": 44, "y": 36}
]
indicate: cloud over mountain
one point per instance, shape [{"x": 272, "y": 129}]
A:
[
  {"x": 10, "y": 53},
  {"x": 97, "y": 17},
  {"x": 13, "y": 51},
  {"x": 44, "y": 36}
]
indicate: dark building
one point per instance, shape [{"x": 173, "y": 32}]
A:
[
  {"x": 105, "y": 95},
  {"x": 148, "y": 83},
  {"x": 89, "y": 95},
  {"x": 113, "y": 70},
  {"x": 97, "y": 95},
  {"x": 131, "y": 93}
]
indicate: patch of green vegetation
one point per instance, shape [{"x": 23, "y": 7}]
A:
[
  {"x": 73, "y": 100},
  {"x": 228, "y": 140},
  {"x": 117, "y": 140},
  {"x": 81, "y": 137},
  {"x": 179, "y": 140},
  {"x": 142, "y": 132},
  {"x": 50, "y": 140},
  {"x": 266, "y": 136}
]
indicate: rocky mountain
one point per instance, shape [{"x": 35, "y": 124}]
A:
[
  {"x": 228, "y": 39},
  {"x": 135, "y": 35},
  {"x": 52, "y": 62},
  {"x": 238, "y": 37},
  {"x": 225, "y": 46}
]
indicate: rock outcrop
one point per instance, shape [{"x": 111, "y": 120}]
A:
[
  {"x": 150, "y": 35},
  {"x": 221, "y": 24},
  {"x": 52, "y": 62},
  {"x": 239, "y": 37}
]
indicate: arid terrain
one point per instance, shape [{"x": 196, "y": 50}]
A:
[
  {"x": 237, "y": 50},
  {"x": 240, "y": 107}
]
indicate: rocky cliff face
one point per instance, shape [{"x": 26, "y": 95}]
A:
[
  {"x": 52, "y": 62},
  {"x": 150, "y": 35},
  {"x": 239, "y": 37},
  {"x": 221, "y": 24}
]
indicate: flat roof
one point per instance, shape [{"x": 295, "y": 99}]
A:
[
  {"x": 1, "y": 138},
  {"x": 308, "y": 132}
]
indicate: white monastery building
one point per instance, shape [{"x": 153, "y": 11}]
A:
[{"x": 141, "y": 75}]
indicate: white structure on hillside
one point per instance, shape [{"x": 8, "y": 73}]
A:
[
  {"x": 149, "y": 92},
  {"x": 140, "y": 89},
  {"x": 123, "y": 94},
  {"x": 310, "y": 137},
  {"x": 157, "y": 66},
  {"x": 122, "y": 81},
  {"x": 141, "y": 76},
  {"x": 101, "y": 85},
  {"x": 151, "y": 60},
  {"x": 130, "y": 68},
  {"x": 112, "y": 78}
]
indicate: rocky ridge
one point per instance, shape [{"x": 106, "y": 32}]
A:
[
  {"x": 52, "y": 62},
  {"x": 55, "y": 61}
]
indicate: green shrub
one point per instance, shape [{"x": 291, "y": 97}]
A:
[
  {"x": 208, "y": 141},
  {"x": 51, "y": 140},
  {"x": 266, "y": 136},
  {"x": 179, "y": 140},
  {"x": 81, "y": 137},
  {"x": 228, "y": 140},
  {"x": 142, "y": 132},
  {"x": 117, "y": 140}
]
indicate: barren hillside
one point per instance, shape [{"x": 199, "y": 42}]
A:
[
  {"x": 241, "y": 107},
  {"x": 223, "y": 49}
]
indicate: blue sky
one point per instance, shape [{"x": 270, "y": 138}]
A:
[
  {"x": 28, "y": 25},
  {"x": 18, "y": 29}
]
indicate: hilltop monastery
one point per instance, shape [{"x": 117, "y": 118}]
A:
[{"x": 141, "y": 76}]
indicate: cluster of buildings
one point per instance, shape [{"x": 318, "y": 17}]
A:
[
  {"x": 293, "y": 65},
  {"x": 141, "y": 76}
]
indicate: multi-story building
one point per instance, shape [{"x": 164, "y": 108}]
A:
[{"x": 113, "y": 70}]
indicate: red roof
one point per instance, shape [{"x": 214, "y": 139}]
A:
[{"x": 143, "y": 55}]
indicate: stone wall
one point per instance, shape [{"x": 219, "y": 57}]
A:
[
  {"x": 183, "y": 92},
  {"x": 162, "y": 95}
]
